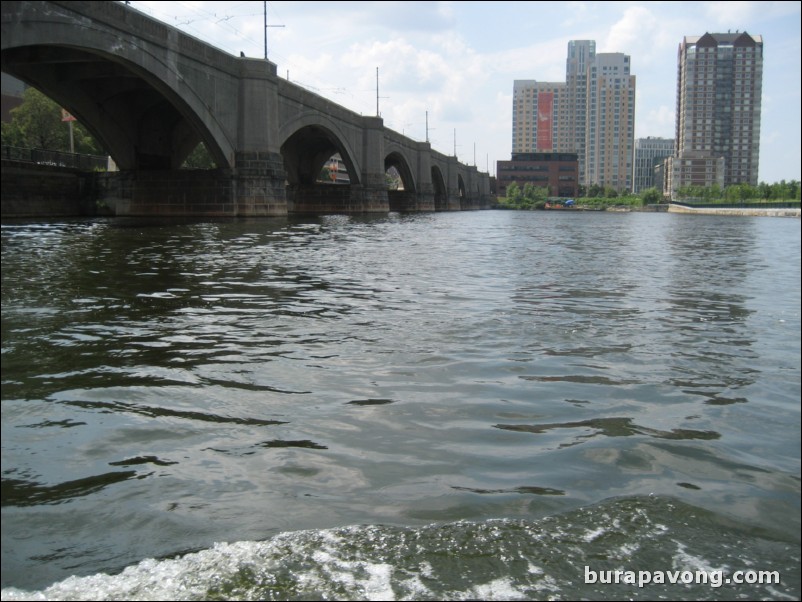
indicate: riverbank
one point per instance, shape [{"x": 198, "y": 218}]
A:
[{"x": 739, "y": 211}]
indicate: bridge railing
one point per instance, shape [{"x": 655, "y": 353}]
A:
[{"x": 42, "y": 156}]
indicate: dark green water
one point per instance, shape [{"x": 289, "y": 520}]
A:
[{"x": 442, "y": 406}]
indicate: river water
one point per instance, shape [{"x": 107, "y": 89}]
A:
[{"x": 479, "y": 405}]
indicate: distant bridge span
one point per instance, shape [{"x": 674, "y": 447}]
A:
[{"x": 150, "y": 93}]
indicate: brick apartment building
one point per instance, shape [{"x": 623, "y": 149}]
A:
[{"x": 558, "y": 171}]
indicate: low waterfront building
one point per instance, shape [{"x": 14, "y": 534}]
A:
[{"x": 559, "y": 172}]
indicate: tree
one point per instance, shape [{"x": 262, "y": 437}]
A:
[
  {"x": 528, "y": 197},
  {"x": 651, "y": 196},
  {"x": 514, "y": 193},
  {"x": 786, "y": 190},
  {"x": 199, "y": 158},
  {"x": 690, "y": 191},
  {"x": 595, "y": 191},
  {"x": 713, "y": 192},
  {"x": 610, "y": 192},
  {"x": 36, "y": 123},
  {"x": 528, "y": 192},
  {"x": 740, "y": 192}
]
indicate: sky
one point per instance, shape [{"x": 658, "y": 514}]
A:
[{"x": 453, "y": 64}]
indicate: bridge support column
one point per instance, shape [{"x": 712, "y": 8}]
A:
[
  {"x": 259, "y": 184},
  {"x": 313, "y": 199},
  {"x": 472, "y": 200},
  {"x": 403, "y": 201},
  {"x": 166, "y": 192},
  {"x": 371, "y": 192},
  {"x": 254, "y": 188},
  {"x": 426, "y": 200},
  {"x": 370, "y": 199},
  {"x": 454, "y": 200}
]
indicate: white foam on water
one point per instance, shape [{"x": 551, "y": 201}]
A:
[
  {"x": 684, "y": 560},
  {"x": 547, "y": 584},
  {"x": 189, "y": 577},
  {"x": 498, "y": 589},
  {"x": 487, "y": 560},
  {"x": 426, "y": 569},
  {"x": 370, "y": 580},
  {"x": 534, "y": 570},
  {"x": 590, "y": 535},
  {"x": 333, "y": 564}
]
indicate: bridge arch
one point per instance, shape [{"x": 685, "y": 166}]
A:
[
  {"x": 305, "y": 153},
  {"x": 405, "y": 197},
  {"x": 308, "y": 141},
  {"x": 143, "y": 116},
  {"x": 308, "y": 149},
  {"x": 440, "y": 190},
  {"x": 397, "y": 160}
]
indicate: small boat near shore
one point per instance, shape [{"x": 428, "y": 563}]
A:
[{"x": 566, "y": 205}]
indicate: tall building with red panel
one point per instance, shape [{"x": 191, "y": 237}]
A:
[
  {"x": 538, "y": 116},
  {"x": 592, "y": 114}
]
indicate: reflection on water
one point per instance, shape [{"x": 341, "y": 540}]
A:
[
  {"x": 169, "y": 386},
  {"x": 17, "y": 492},
  {"x": 611, "y": 427}
]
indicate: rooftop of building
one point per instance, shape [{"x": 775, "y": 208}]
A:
[
  {"x": 739, "y": 38},
  {"x": 554, "y": 156}
]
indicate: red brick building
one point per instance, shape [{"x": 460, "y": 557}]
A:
[{"x": 558, "y": 171}]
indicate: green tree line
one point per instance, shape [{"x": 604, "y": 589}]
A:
[
  {"x": 780, "y": 191},
  {"x": 528, "y": 197},
  {"x": 599, "y": 197}
]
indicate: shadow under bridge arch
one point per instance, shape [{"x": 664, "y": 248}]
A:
[
  {"x": 440, "y": 190},
  {"x": 143, "y": 122},
  {"x": 321, "y": 174},
  {"x": 402, "y": 193},
  {"x": 461, "y": 191}
]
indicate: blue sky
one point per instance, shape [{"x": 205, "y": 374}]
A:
[{"x": 458, "y": 60}]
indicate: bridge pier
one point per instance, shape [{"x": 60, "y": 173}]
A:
[
  {"x": 308, "y": 199},
  {"x": 255, "y": 188},
  {"x": 166, "y": 193},
  {"x": 404, "y": 201},
  {"x": 260, "y": 184}
]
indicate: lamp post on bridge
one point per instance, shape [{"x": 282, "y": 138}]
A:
[{"x": 266, "y": 26}]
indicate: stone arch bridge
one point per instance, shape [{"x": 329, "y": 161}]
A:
[{"x": 151, "y": 93}]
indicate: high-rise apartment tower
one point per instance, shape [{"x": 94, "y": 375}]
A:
[
  {"x": 610, "y": 122},
  {"x": 580, "y": 54},
  {"x": 719, "y": 88},
  {"x": 538, "y": 116}
]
